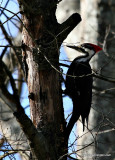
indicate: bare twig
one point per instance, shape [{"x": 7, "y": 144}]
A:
[
  {"x": 3, "y": 52},
  {"x": 105, "y": 40},
  {"x": 10, "y": 77},
  {"x": 106, "y": 131},
  {"x": 11, "y": 46},
  {"x": 15, "y": 150},
  {"x": 9, "y": 18},
  {"x": 103, "y": 78},
  {"x": 7, "y": 154},
  {"x": 68, "y": 154}
]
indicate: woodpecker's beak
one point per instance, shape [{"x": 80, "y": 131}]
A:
[{"x": 77, "y": 48}]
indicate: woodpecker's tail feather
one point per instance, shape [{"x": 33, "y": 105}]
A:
[
  {"x": 83, "y": 122},
  {"x": 87, "y": 121}
]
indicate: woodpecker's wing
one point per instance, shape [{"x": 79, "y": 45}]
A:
[
  {"x": 78, "y": 77},
  {"x": 79, "y": 88}
]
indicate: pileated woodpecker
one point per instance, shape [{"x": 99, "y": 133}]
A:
[{"x": 79, "y": 84}]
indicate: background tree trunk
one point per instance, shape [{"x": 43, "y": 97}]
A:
[{"x": 97, "y": 27}]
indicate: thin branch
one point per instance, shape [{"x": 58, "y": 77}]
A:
[
  {"x": 9, "y": 18},
  {"x": 9, "y": 11},
  {"x": 94, "y": 75},
  {"x": 105, "y": 40},
  {"x": 10, "y": 42},
  {"x": 103, "y": 78},
  {"x": 3, "y": 52},
  {"x": 14, "y": 23},
  {"x": 11, "y": 46},
  {"x": 4, "y": 6},
  {"x": 8, "y": 99},
  {"x": 15, "y": 150},
  {"x": 71, "y": 158},
  {"x": 106, "y": 131},
  {"x": 11, "y": 100},
  {"x": 11, "y": 78},
  {"x": 68, "y": 154},
  {"x": 84, "y": 147},
  {"x": 64, "y": 65},
  {"x": 35, "y": 137},
  {"x": 7, "y": 154}
]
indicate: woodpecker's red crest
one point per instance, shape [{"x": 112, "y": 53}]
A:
[
  {"x": 95, "y": 47},
  {"x": 88, "y": 49},
  {"x": 82, "y": 47}
]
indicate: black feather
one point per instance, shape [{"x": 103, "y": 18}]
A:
[{"x": 79, "y": 89}]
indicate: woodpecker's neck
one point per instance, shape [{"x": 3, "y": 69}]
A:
[{"x": 88, "y": 55}]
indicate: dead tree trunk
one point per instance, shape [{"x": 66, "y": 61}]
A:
[{"x": 42, "y": 37}]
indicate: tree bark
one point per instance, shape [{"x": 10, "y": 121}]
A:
[
  {"x": 43, "y": 83},
  {"x": 41, "y": 34}
]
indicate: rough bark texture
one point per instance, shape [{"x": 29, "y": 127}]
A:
[
  {"x": 41, "y": 34},
  {"x": 43, "y": 81}
]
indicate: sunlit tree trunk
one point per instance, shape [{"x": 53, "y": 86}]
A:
[{"x": 98, "y": 27}]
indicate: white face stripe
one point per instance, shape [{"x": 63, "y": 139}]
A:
[{"x": 88, "y": 56}]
